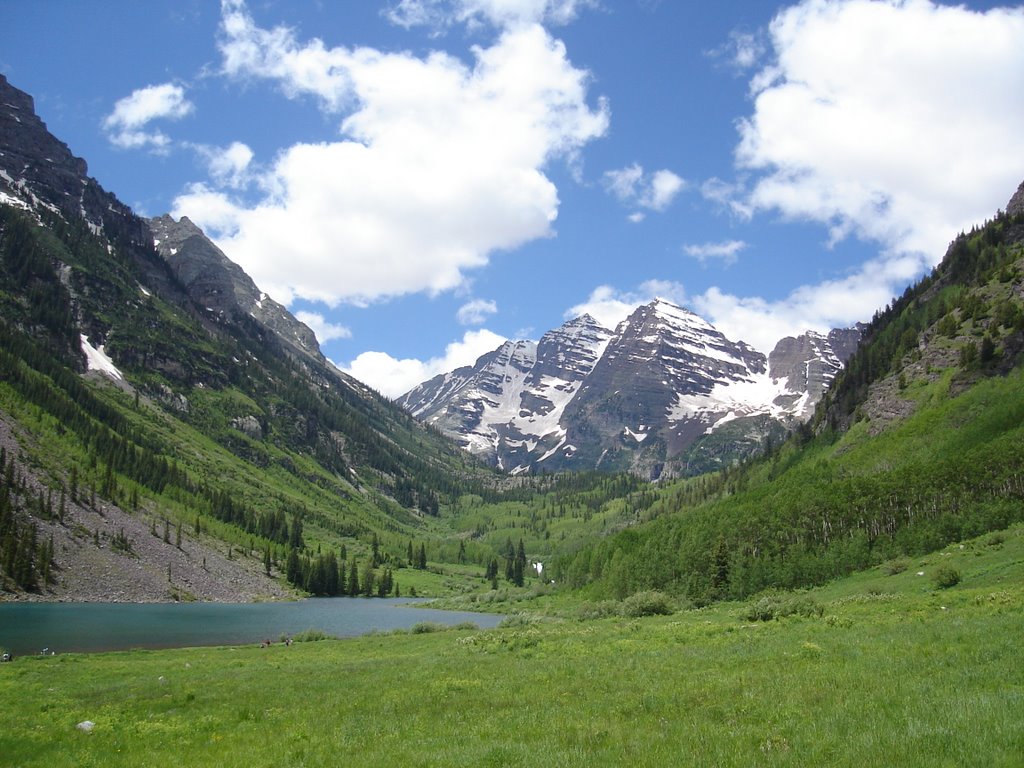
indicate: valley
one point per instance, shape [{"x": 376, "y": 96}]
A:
[{"x": 695, "y": 552}]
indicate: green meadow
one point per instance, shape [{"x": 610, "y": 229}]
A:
[{"x": 883, "y": 668}]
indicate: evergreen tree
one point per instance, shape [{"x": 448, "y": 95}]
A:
[
  {"x": 353, "y": 578},
  {"x": 293, "y": 567},
  {"x": 519, "y": 566},
  {"x": 369, "y": 577}
]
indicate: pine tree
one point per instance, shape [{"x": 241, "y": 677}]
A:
[
  {"x": 369, "y": 577},
  {"x": 519, "y": 566},
  {"x": 353, "y": 578},
  {"x": 293, "y": 568}
]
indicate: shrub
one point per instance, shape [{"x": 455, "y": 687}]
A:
[
  {"x": 311, "y": 636},
  {"x": 425, "y": 627},
  {"x": 773, "y": 606},
  {"x": 946, "y": 576},
  {"x": 891, "y": 568},
  {"x": 600, "y": 610},
  {"x": 647, "y": 604}
]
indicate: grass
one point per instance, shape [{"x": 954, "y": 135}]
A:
[{"x": 893, "y": 672}]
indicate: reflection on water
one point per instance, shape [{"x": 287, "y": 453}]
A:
[{"x": 65, "y": 627}]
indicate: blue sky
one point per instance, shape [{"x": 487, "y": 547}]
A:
[{"x": 421, "y": 179}]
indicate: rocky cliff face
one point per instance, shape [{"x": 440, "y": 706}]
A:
[
  {"x": 511, "y": 401},
  {"x": 39, "y": 174},
  {"x": 1016, "y": 205},
  {"x": 666, "y": 392},
  {"x": 808, "y": 363},
  {"x": 215, "y": 282}
]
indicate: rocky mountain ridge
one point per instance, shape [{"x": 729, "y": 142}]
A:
[
  {"x": 644, "y": 398},
  {"x": 165, "y": 383}
]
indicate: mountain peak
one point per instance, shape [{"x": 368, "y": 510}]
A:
[
  {"x": 218, "y": 284},
  {"x": 636, "y": 398}
]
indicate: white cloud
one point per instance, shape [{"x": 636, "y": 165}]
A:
[
  {"x": 623, "y": 182},
  {"x": 651, "y": 191},
  {"x": 726, "y": 251},
  {"x": 394, "y": 377},
  {"x": 324, "y": 330},
  {"x": 891, "y": 120},
  {"x": 728, "y": 195},
  {"x": 127, "y": 123},
  {"x": 441, "y": 164},
  {"x": 441, "y": 14},
  {"x": 832, "y": 304},
  {"x": 742, "y": 51},
  {"x": 664, "y": 187},
  {"x": 229, "y": 166},
  {"x": 476, "y": 311},
  {"x": 610, "y": 306}
]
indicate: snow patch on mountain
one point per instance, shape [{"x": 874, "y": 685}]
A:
[
  {"x": 585, "y": 396},
  {"x": 96, "y": 359}
]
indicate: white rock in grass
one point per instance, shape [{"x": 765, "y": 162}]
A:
[{"x": 86, "y": 726}]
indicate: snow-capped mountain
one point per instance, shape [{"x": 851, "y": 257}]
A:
[
  {"x": 512, "y": 400},
  {"x": 648, "y": 397}
]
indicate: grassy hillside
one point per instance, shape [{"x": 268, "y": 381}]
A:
[
  {"x": 884, "y": 668},
  {"x": 214, "y": 427},
  {"x": 920, "y": 442}
]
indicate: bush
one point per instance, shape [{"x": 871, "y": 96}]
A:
[
  {"x": 891, "y": 568},
  {"x": 647, "y": 604},
  {"x": 600, "y": 610},
  {"x": 946, "y": 576},
  {"x": 772, "y": 606},
  {"x": 311, "y": 636},
  {"x": 425, "y": 627}
]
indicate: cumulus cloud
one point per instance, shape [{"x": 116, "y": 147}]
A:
[
  {"x": 128, "y": 125},
  {"x": 476, "y": 311},
  {"x": 650, "y": 191},
  {"x": 440, "y": 165},
  {"x": 325, "y": 331},
  {"x": 610, "y": 306},
  {"x": 742, "y": 51},
  {"x": 726, "y": 251},
  {"x": 441, "y": 14},
  {"x": 831, "y": 304},
  {"x": 761, "y": 323},
  {"x": 890, "y": 120},
  {"x": 229, "y": 166},
  {"x": 394, "y": 377}
]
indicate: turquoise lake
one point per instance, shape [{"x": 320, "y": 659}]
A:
[{"x": 28, "y": 628}]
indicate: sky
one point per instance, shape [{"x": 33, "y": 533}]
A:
[{"x": 420, "y": 180}]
